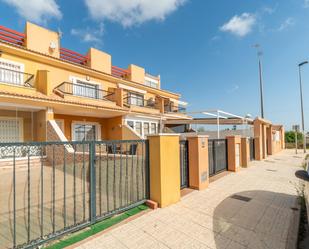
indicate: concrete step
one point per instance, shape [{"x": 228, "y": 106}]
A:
[{"x": 22, "y": 163}]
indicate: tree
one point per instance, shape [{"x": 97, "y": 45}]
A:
[
  {"x": 290, "y": 137},
  {"x": 201, "y": 129}
]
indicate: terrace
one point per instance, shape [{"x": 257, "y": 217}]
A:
[{"x": 17, "y": 38}]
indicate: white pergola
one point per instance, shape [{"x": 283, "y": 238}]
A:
[{"x": 217, "y": 117}]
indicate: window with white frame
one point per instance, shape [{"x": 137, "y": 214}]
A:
[
  {"x": 85, "y": 132},
  {"x": 152, "y": 82},
  {"x": 11, "y": 72},
  {"x": 86, "y": 89},
  {"x": 146, "y": 129},
  {"x": 135, "y": 99},
  {"x": 143, "y": 127},
  {"x": 153, "y": 128},
  {"x": 138, "y": 127}
]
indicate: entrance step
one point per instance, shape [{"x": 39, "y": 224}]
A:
[{"x": 22, "y": 163}]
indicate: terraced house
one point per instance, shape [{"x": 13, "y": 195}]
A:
[{"x": 50, "y": 93}]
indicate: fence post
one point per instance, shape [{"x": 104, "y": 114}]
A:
[
  {"x": 198, "y": 162},
  {"x": 92, "y": 166},
  {"x": 258, "y": 149},
  {"x": 164, "y": 169},
  {"x": 245, "y": 152},
  {"x": 234, "y": 153}
]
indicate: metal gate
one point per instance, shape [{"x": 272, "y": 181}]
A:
[
  {"x": 217, "y": 155},
  {"x": 54, "y": 188},
  {"x": 252, "y": 149},
  {"x": 184, "y": 164}
]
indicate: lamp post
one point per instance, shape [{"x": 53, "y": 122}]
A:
[
  {"x": 301, "y": 103},
  {"x": 259, "y": 54}
]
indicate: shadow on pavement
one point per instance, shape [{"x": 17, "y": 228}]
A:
[{"x": 257, "y": 219}]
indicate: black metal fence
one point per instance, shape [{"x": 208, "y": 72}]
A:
[
  {"x": 184, "y": 164},
  {"x": 217, "y": 155},
  {"x": 48, "y": 189},
  {"x": 252, "y": 148}
]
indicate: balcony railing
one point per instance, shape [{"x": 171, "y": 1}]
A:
[
  {"x": 17, "y": 78},
  {"x": 137, "y": 101},
  {"x": 174, "y": 109},
  {"x": 71, "y": 56},
  {"x": 11, "y": 36},
  {"x": 84, "y": 90},
  {"x": 120, "y": 72}
]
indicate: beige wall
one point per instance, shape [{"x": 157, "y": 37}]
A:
[
  {"x": 39, "y": 39},
  {"x": 110, "y": 128}
]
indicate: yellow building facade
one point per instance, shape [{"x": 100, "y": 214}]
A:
[{"x": 44, "y": 86}]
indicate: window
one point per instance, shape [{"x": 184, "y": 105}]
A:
[
  {"x": 11, "y": 130},
  {"x": 143, "y": 128},
  {"x": 11, "y": 72},
  {"x": 146, "y": 129},
  {"x": 131, "y": 124},
  {"x": 153, "y": 128},
  {"x": 84, "y": 132},
  {"x": 151, "y": 83},
  {"x": 135, "y": 99},
  {"x": 138, "y": 128}
]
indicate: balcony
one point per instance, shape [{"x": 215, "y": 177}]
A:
[
  {"x": 74, "y": 57},
  {"x": 132, "y": 100},
  {"x": 11, "y": 36},
  {"x": 16, "y": 78},
  {"x": 84, "y": 90},
  {"x": 171, "y": 108}
]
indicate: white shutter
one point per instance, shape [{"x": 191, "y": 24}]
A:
[{"x": 10, "y": 130}]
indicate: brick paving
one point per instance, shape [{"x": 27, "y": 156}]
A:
[{"x": 213, "y": 219}]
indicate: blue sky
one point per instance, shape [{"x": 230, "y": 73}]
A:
[{"x": 202, "y": 49}]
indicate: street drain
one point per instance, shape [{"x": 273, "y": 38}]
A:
[
  {"x": 272, "y": 170},
  {"x": 241, "y": 198}
]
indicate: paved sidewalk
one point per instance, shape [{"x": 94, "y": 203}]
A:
[{"x": 212, "y": 219}]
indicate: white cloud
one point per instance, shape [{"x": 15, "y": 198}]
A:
[
  {"x": 89, "y": 34},
  {"x": 36, "y": 10},
  {"x": 131, "y": 12},
  {"x": 306, "y": 3},
  {"x": 269, "y": 10},
  {"x": 286, "y": 24},
  {"x": 240, "y": 25},
  {"x": 233, "y": 89}
]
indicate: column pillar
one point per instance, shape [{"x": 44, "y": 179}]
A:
[
  {"x": 245, "y": 152},
  {"x": 234, "y": 153},
  {"x": 198, "y": 162},
  {"x": 164, "y": 169},
  {"x": 258, "y": 148}
]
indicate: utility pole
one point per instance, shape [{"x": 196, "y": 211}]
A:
[
  {"x": 302, "y": 105},
  {"x": 259, "y": 54}
]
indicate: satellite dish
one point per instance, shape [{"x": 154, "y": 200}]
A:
[{"x": 53, "y": 45}]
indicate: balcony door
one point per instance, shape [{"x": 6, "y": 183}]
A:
[
  {"x": 135, "y": 99},
  {"x": 11, "y": 72},
  {"x": 84, "y": 89},
  {"x": 85, "y": 132}
]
